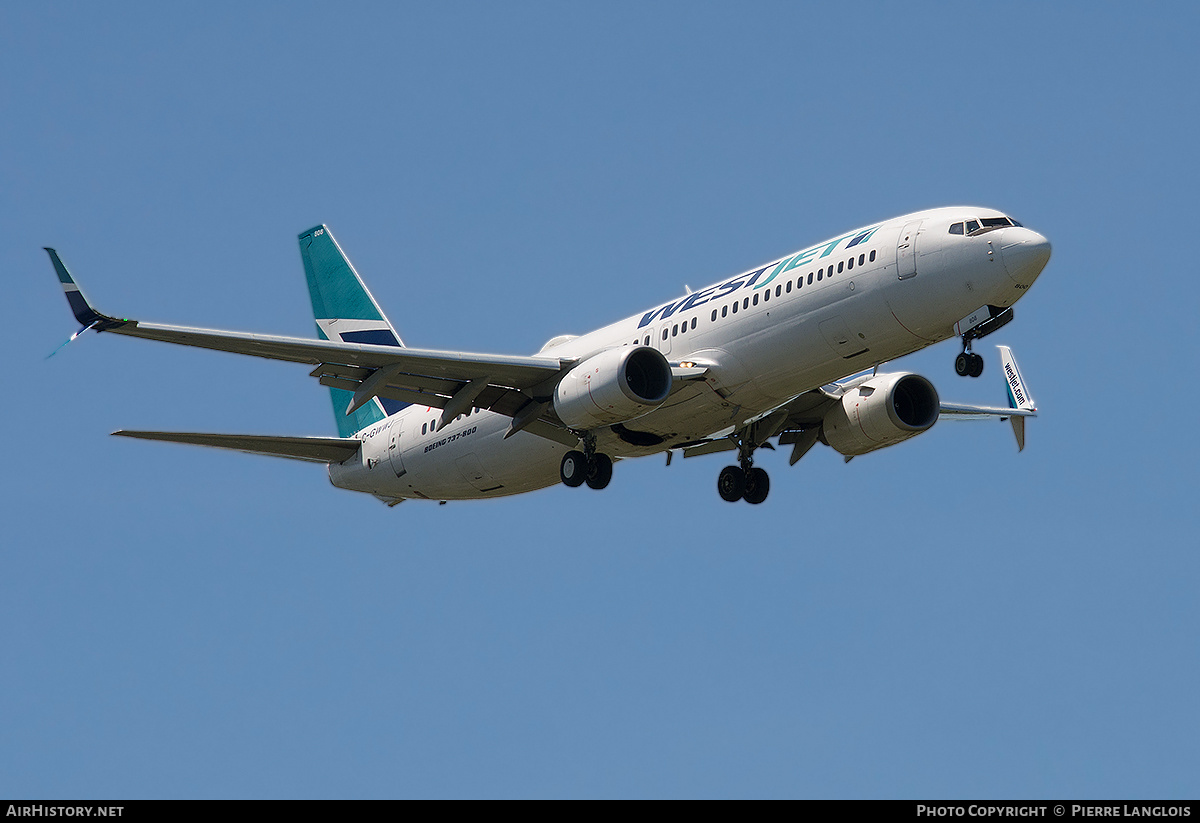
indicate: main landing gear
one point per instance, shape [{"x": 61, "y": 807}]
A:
[
  {"x": 587, "y": 466},
  {"x": 735, "y": 483},
  {"x": 744, "y": 481}
]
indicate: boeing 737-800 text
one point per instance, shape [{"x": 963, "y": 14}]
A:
[{"x": 760, "y": 356}]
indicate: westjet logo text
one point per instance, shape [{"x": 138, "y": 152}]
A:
[
  {"x": 1015, "y": 384},
  {"x": 751, "y": 278}
]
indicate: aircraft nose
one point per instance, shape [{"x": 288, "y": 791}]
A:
[{"x": 1025, "y": 254}]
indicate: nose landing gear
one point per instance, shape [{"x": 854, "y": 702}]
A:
[{"x": 980, "y": 323}]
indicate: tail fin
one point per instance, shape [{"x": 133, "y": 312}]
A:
[
  {"x": 346, "y": 311},
  {"x": 1018, "y": 394}
]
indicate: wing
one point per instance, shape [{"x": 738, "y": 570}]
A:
[
  {"x": 952, "y": 411},
  {"x": 448, "y": 380},
  {"x": 314, "y": 449},
  {"x": 798, "y": 421},
  {"x": 1020, "y": 401}
]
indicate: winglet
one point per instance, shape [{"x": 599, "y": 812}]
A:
[
  {"x": 1018, "y": 394},
  {"x": 82, "y": 309}
]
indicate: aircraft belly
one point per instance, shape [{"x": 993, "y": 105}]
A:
[
  {"x": 523, "y": 462},
  {"x": 693, "y": 419},
  {"x": 473, "y": 461}
]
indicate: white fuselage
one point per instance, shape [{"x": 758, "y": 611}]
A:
[{"x": 766, "y": 335}]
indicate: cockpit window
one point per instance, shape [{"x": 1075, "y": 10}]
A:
[
  {"x": 983, "y": 225},
  {"x": 1015, "y": 223}
]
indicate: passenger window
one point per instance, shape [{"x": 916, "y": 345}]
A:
[
  {"x": 821, "y": 273},
  {"x": 693, "y": 322},
  {"x": 849, "y": 265},
  {"x": 789, "y": 287},
  {"x": 862, "y": 259},
  {"x": 724, "y": 311},
  {"x": 746, "y": 303},
  {"x": 714, "y": 317},
  {"x": 424, "y": 428},
  {"x": 810, "y": 276},
  {"x": 766, "y": 295},
  {"x": 779, "y": 290},
  {"x": 839, "y": 269},
  {"x": 957, "y": 228},
  {"x": 646, "y": 342},
  {"x": 664, "y": 334},
  {"x": 872, "y": 255},
  {"x": 756, "y": 299},
  {"x": 674, "y": 330}
]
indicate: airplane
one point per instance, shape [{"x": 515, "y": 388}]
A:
[{"x": 788, "y": 351}]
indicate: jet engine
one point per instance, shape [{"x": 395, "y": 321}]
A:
[
  {"x": 881, "y": 412},
  {"x": 612, "y": 387}
]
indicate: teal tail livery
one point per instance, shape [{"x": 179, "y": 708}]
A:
[
  {"x": 345, "y": 311},
  {"x": 787, "y": 353}
]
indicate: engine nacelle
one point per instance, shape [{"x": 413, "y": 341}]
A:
[
  {"x": 881, "y": 412},
  {"x": 612, "y": 387}
]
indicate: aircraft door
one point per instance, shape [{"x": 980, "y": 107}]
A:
[
  {"x": 394, "y": 449},
  {"x": 664, "y": 339},
  {"x": 906, "y": 250}
]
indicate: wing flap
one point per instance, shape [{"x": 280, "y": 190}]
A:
[{"x": 313, "y": 449}]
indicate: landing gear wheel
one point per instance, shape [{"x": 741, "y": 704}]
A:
[
  {"x": 731, "y": 484},
  {"x": 599, "y": 471},
  {"x": 976, "y": 365},
  {"x": 758, "y": 483},
  {"x": 962, "y": 364},
  {"x": 573, "y": 470}
]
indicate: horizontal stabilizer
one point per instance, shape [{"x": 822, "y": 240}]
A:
[{"x": 313, "y": 449}]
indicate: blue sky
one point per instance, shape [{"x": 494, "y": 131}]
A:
[{"x": 944, "y": 618}]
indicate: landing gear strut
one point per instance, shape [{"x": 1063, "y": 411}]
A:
[
  {"x": 587, "y": 466},
  {"x": 744, "y": 481}
]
